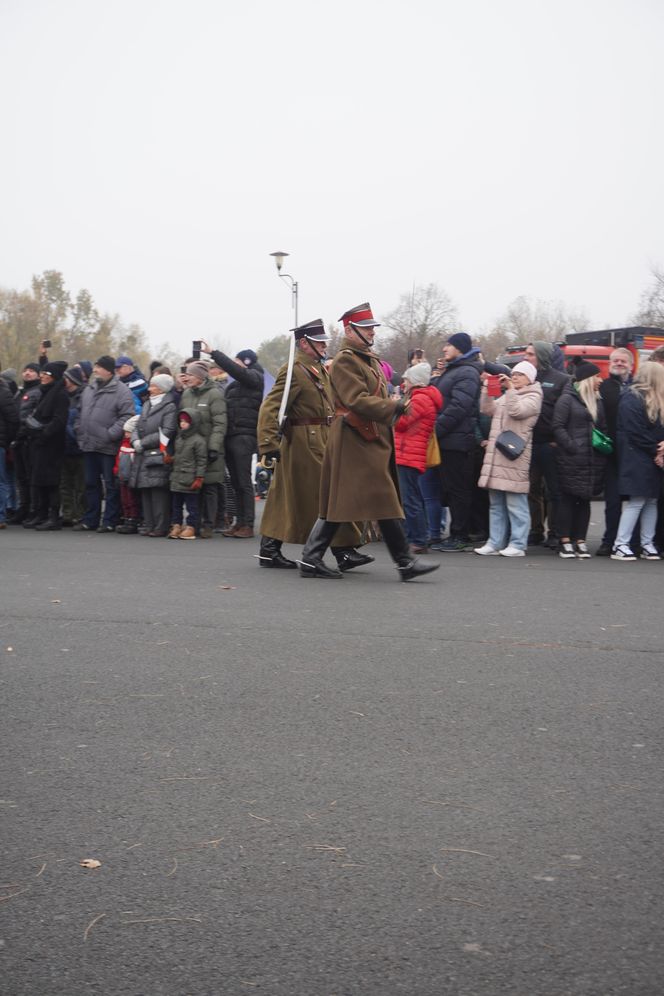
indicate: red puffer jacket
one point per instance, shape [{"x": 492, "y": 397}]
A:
[{"x": 412, "y": 431}]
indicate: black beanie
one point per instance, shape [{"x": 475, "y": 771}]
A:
[
  {"x": 584, "y": 370},
  {"x": 106, "y": 363},
  {"x": 56, "y": 369},
  {"x": 32, "y": 366}
]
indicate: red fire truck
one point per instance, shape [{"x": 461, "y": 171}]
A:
[{"x": 597, "y": 346}]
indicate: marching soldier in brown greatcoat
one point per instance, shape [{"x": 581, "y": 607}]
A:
[
  {"x": 297, "y": 449},
  {"x": 359, "y": 477}
]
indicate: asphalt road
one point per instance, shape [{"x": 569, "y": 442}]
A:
[{"x": 360, "y": 788}]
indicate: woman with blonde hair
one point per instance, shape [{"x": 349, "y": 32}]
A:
[{"x": 640, "y": 460}]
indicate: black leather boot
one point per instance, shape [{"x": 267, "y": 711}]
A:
[
  {"x": 50, "y": 524},
  {"x": 347, "y": 557},
  {"x": 129, "y": 527},
  {"x": 270, "y": 555},
  {"x": 311, "y": 562},
  {"x": 35, "y": 519},
  {"x": 409, "y": 567}
]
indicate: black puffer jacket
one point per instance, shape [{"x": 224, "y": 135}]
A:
[
  {"x": 8, "y": 416},
  {"x": 28, "y": 398},
  {"x": 580, "y": 467},
  {"x": 553, "y": 384},
  {"x": 243, "y": 397},
  {"x": 460, "y": 388}
]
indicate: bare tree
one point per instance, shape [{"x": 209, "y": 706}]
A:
[
  {"x": 525, "y": 321},
  {"x": 651, "y": 308},
  {"x": 423, "y": 319}
]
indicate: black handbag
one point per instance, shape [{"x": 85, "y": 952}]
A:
[
  {"x": 153, "y": 458},
  {"x": 510, "y": 445}
]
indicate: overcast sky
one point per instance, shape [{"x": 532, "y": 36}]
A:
[{"x": 156, "y": 152}]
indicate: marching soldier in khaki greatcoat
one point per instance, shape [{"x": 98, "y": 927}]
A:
[
  {"x": 297, "y": 448},
  {"x": 359, "y": 478}
]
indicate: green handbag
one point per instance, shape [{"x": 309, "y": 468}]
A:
[{"x": 602, "y": 443}]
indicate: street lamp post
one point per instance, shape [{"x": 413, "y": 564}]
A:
[
  {"x": 281, "y": 417},
  {"x": 279, "y": 258}
]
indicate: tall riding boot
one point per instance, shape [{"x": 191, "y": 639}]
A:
[
  {"x": 347, "y": 557},
  {"x": 311, "y": 562},
  {"x": 409, "y": 567},
  {"x": 270, "y": 555},
  {"x": 37, "y": 512},
  {"x": 51, "y": 523}
]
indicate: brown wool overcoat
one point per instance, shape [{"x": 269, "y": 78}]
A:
[
  {"x": 359, "y": 479},
  {"x": 292, "y": 501}
]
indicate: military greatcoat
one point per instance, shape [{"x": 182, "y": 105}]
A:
[
  {"x": 359, "y": 478},
  {"x": 292, "y": 502}
]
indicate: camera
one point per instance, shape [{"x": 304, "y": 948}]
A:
[
  {"x": 196, "y": 349},
  {"x": 46, "y": 343}
]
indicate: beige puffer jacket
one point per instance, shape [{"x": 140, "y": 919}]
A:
[{"x": 517, "y": 411}]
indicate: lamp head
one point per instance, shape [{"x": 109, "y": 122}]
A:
[{"x": 279, "y": 258}]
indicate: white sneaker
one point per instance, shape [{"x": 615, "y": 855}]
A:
[
  {"x": 487, "y": 550},
  {"x": 622, "y": 553},
  {"x": 566, "y": 551},
  {"x": 512, "y": 551},
  {"x": 649, "y": 553},
  {"x": 582, "y": 550}
]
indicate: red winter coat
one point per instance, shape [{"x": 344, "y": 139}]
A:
[{"x": 412, "y": 431}]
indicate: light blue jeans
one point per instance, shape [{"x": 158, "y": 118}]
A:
[
  {"x": 509, "y": 519},
  {"x": 647, "y": 509}
]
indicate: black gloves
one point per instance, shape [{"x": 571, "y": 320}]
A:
[{"x": 212, "y": 455}]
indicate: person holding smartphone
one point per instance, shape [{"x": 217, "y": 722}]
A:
[{"x": 507, "y": 480}]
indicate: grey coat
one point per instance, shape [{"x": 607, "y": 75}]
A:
[
  {"x": 104, "y": 410},
  {"x": 147, "y": 470}
]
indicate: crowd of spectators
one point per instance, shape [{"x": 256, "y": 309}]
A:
[
  {"x": 102, "y": 448},
  {"x": 519, "y": 455}
]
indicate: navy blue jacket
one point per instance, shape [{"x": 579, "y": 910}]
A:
[
  {"x": 638, "y": 475},
  {"x": 460, "y": 387}
]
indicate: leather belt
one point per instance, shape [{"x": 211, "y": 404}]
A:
[{"x": 325, "y": 420}]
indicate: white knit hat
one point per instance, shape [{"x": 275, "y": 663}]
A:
[
  {"x": 527, "y": 368},
  {"x": 419, "y": 374}
]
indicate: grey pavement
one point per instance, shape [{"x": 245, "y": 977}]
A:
[{"x": 446, "y": 788}]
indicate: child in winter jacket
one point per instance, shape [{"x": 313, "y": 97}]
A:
[
  {"x": 187, "y": 474},
  {"x": 411, "y": 437},
  {"x": 129, "y": 501}
]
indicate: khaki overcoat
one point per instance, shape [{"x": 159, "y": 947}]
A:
[
  {"x": 359, "y": 478},
  {"x": 292, "y": 501}
]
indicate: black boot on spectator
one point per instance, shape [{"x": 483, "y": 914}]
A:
[
  {"x": 50, "y": 524},
  {"x": 311, "y": 562},
  {"x": 347, "y": 557},
  {"x": 270, "y": 555},
  {"x": 129, "y": 527},
  {"x": 409, "y": 567},
  {"x": 33, "y": 521}
]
